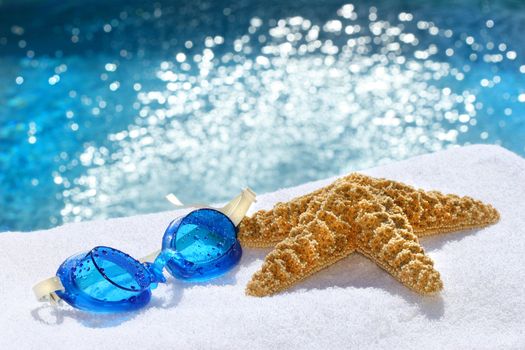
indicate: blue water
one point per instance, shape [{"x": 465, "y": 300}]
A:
[{"x": 106, "y": 106}]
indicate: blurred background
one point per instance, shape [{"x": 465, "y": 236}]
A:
[{"x": 107, "y": 106}]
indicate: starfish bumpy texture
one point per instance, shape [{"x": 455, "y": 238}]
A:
[{"x": 378, "y": 218}]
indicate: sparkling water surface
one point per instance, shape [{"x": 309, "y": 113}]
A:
[{"x": 106, "y": 106}]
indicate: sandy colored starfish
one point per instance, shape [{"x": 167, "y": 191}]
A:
[{"x": 378, "y": 218}]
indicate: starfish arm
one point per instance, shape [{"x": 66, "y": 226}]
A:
[
  {"x": 310, "y": 247},
  {"x": 441, "y": 213},
  {"x": 387, "y": 238},
  {"x": 266, "y": 228},
  {"x": 431, "y": 212}
]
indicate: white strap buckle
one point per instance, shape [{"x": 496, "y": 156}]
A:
[{"x": 45, "y": 290}]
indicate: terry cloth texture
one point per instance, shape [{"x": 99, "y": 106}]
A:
[{"x": 351, "y": 304}]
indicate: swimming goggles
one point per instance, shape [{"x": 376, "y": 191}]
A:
[{"x": 195, "y": 247}]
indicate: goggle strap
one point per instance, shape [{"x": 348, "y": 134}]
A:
[
  {"x": 150, "y": 257},
  {"x": 236, "y": 209},
  {"x": 176, "y": 202},
  {"x": 45, "y": 290}
]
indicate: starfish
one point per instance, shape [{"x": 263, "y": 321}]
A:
[{"x": 379, "y": 218}]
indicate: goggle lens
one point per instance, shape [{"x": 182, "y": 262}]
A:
[
  {"x": 206, "y": 241},
  {"x": 198, "y": 241},
  {"x": 104, "y": 275}
]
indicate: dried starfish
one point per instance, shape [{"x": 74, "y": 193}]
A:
[{"x": 378, "y": 218}]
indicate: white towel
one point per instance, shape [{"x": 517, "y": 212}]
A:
[{"x": 352, "y": 304}]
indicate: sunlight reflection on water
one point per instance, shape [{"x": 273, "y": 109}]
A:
[{"x": 283, "y": 101}]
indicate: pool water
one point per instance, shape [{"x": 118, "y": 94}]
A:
[{"x": 106, "y": 106}]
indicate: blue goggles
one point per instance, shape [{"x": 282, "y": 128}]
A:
[{"x": 198, "y": 246}]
